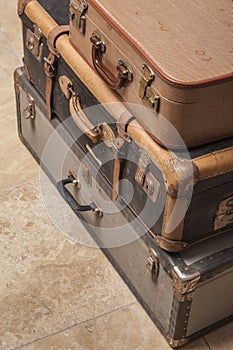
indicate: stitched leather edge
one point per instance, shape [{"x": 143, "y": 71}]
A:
[{"x": 222, "y": 165}]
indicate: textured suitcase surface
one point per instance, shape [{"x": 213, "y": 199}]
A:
[
  {"x": 156, "y": 174},
  {"x": 186, "y": 294},
  {"x": 180, "y": 58}
]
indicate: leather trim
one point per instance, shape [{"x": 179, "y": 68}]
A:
[
  {"x": 162, "y": 74},
  {"x": 22, "y": 5},
  {"x": 37, "y": 14},
  {"x": 214, "y": 164},
  {"x": 54, "y": 35},
  {"x": 169, "y": 245},
  {"x": 177, "y": 233}
]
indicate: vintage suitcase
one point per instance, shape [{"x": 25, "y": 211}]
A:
[
  {"x": 162, "y": 180},
  {"x": 186, "y": 294},
  {"x": 175, "y": 58}
]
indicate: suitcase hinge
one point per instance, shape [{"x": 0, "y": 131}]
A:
[
  {"x": 145, "y": 178},
  {"x": 34, "y": 42},
  {"x": 78, "y": 15},
  {"x": 146, "y": 91}
]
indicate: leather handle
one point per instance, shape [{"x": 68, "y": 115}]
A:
[
  {"x": 69, "y": 199},
  {"x": 82, "y": 121},
  {"x": 76, "y": 111},
  {"x": 124, "y": 74},
  {"x": 95, "y": 133}
]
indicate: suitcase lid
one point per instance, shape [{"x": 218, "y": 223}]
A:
[{"x": 188, "y": 43}]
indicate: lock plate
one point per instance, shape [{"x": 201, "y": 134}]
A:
[
  {"x": 78, "y": 11},
  {"x": 146, "y": 92},
  {"x": 146, "y": 179},
  {"x": 34, "y": 42}
]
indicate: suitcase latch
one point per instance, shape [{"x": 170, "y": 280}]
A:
[
  {"x": 146, "y": 91},
  {"x": 78, "y": 15},
  {"x": 34, "y": 42},
  {"x": 30, "y": 110},
  {"x": 146, "y": 179},
  {"x": 152, "y": 264}
]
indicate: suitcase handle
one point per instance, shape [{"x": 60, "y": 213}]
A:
[
  {"x": 69, "y": 199},
  {"x": 124, "y": 74},
  {"x": 82, "y": 121},
  {"x": 95, "y": 133}
]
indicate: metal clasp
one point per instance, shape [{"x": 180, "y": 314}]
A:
[
  {"x": 146, "y": 91},
  {"x": 146, "y": 179},
  {"x": 78, "y": 15},
  {"x": 34, "y": 42},
  {"x": 30, "y": 110},
  {"x": 152, "y": 264}
]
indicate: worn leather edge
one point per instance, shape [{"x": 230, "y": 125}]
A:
[
  {"x": 53, "y": 35},
  {"x": 169, "y": 245},
  {"x": 214, "y": 164},
  {"x": 176, "y": 234},
  {"x": 22, "y": 5},
  {"x": 162, "y": 74}
]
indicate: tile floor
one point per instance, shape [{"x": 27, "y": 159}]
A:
[{"x": 55, "y": 294}]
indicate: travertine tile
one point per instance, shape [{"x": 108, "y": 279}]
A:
[
  {"x": 126, "y": 329},
  {"x": 198, "y": 344},
  {"x": 221, "y": 338},
  {"x": 9, "y": 60},
  {"x": 47, "y": 282},
  {"x": 10, "y": 24}
]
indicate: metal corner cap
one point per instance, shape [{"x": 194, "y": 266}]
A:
[{"x": 186, "y": 273}]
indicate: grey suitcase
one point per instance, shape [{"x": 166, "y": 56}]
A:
[{"x": 186, "y": 294}]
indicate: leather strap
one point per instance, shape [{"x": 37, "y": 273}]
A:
[
  {"x": 49, "y": 68},
  {"x": 123, "y": 136},
  {"x": 50, "y": 74},
  {"x": 54, "y": 35},
  {"x": 118, "y": 151},
  {"x": 123, "y": 123},
  {"x": 116, "y": 178}
]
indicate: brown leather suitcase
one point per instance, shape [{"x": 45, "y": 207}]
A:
[
  {"x": 186, "y": 294},
  {"x": 160, "y": 178},
  {"x": 173, "y": 56}
]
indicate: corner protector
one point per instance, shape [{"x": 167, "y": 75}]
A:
[
  {"x": 185, "y": 279},
  {"x": 176, "y": 343},
  {"x": 186, "y": 175},
  {"x": 17, "y": 74},
  {"x": 22, "y": 5}
]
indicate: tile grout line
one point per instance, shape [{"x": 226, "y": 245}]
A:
[
  {"x": 207, "y": 344},
  {"x": 79, "y": 324},
  {"x": 18, "y": 185}
]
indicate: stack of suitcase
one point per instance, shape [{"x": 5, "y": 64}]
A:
[{"x": 143, "y": 103}]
